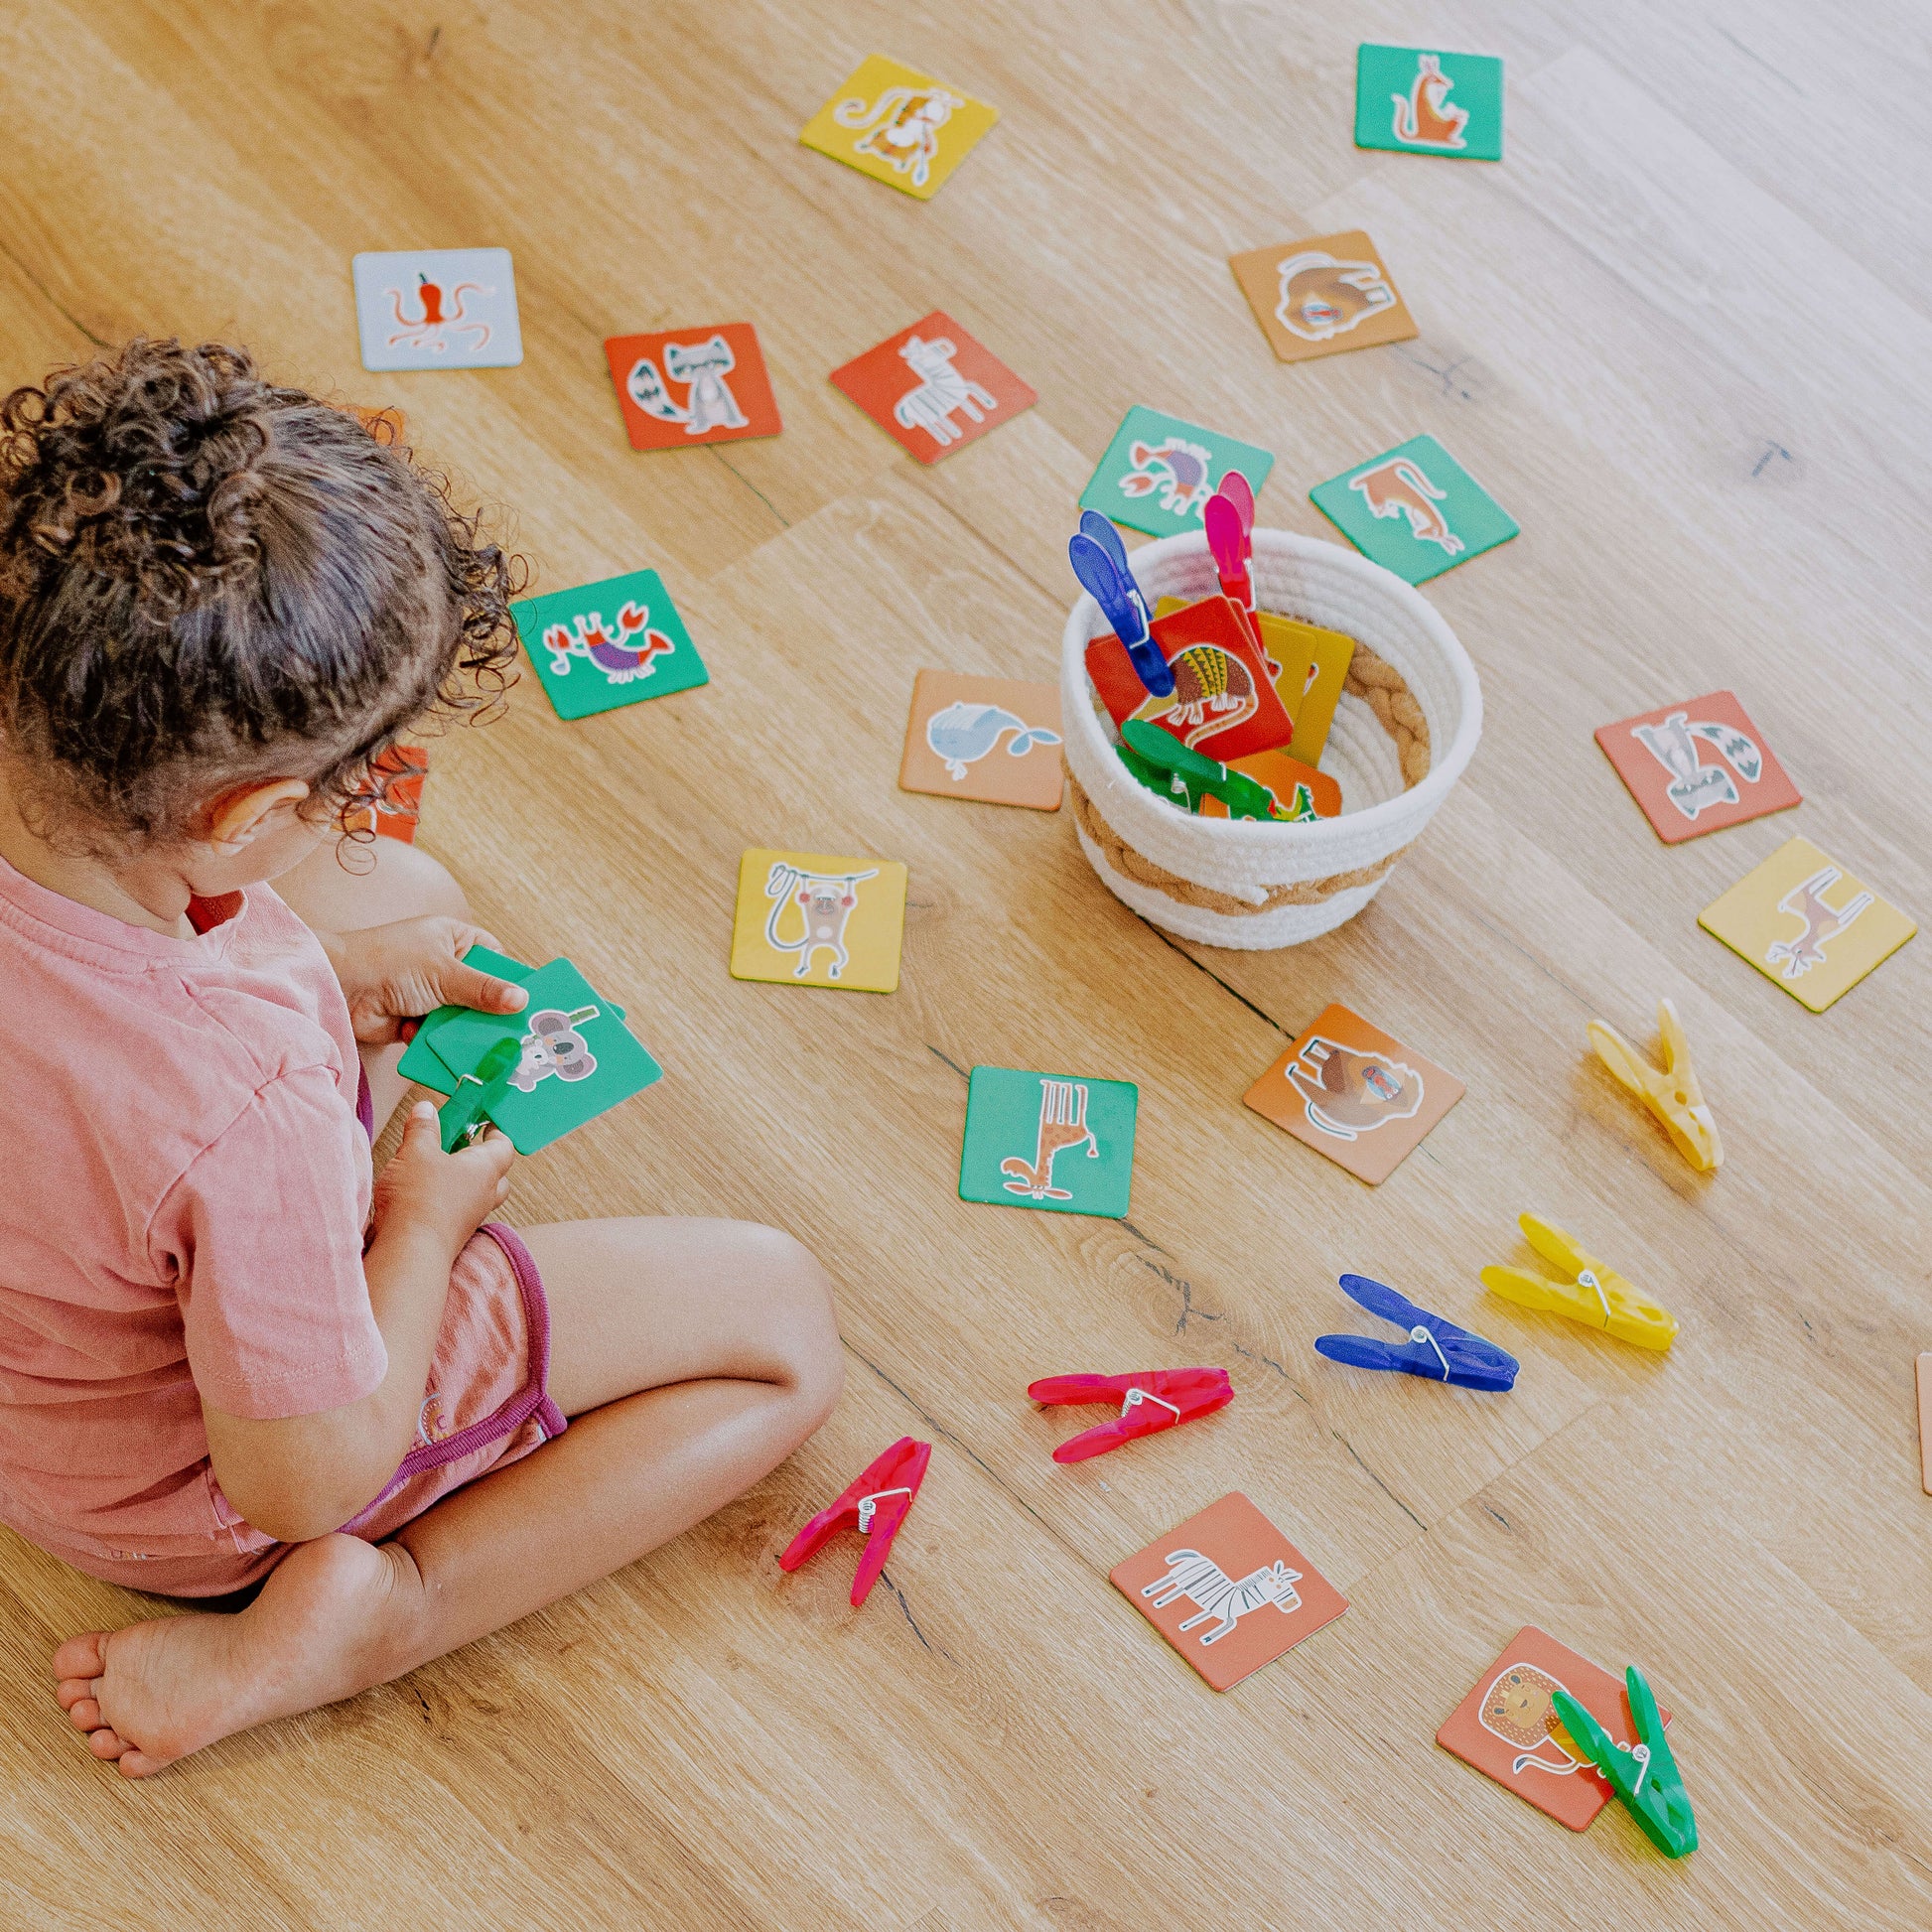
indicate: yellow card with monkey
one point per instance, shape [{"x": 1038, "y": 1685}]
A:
[{"x": 807, "y": 919}]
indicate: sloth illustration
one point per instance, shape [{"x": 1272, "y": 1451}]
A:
[
  {"x": 1323, "y": 298},
  {"x": 1350, "y": 1093}
]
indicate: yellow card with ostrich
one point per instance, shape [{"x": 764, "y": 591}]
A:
[
  {"x": 808, "y": 919},
  {"x": 898, "y": 126}
]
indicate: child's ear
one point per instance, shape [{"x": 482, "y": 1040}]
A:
[{"x": 237, "y": 818}]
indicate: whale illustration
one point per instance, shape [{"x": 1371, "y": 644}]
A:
[{"x": 962, "y": 733}]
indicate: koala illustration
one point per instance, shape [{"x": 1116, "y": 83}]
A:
[
  {"x": 1350, "y": 1093},
  {"x": 553, "y": 1045}
]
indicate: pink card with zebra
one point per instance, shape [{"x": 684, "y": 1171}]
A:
[
  {"x": 932, "y": 388},
  {"x": 1228, "y": 1590}
]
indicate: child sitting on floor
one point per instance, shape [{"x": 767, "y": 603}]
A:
[{"x": 225, "y": 1358}]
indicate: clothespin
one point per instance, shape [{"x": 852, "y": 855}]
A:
[
  {"x": 874, "y": 1505},
  {"x": 1644, "y": 1774},
  {"x": 1670, "y": 1091},
  {"x": 1595, "y": 1295},
  {"x": 468, "y": 1111},
  {"x": 1435, "y": 1347},
  {"x": 1099, "y": 560},
  {"x": 1192, "y": 774},
  {"x": 1229, "y": 541},
  {"x": 1151, "y": 1400}
]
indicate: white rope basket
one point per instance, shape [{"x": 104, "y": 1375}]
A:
[{"x": 1405, "y": 727}]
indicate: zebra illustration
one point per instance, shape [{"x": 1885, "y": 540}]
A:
[
  {"x": 1215, "y": 1593},
  {"x": 941, "y": 390}
]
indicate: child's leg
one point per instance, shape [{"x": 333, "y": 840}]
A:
[
  {"x": 340, "y": 890},
  {"x": 696, "y": 1355}
]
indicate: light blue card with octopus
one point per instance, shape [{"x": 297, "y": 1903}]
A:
[
  {"x": 1160, "y": 471},
  {"x": 438, "y": 309}
]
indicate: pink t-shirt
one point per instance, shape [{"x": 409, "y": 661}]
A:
[{"x": 184, "y": 1184}]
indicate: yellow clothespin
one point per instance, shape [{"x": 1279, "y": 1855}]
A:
[
  {"x": 1670, "y": 1091},
  {"x": 1597, "y": 1296}
]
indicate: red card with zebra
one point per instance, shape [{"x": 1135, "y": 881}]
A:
[
  {"x": 1223, "y": 704},
  {"x": 932, "y": 388},
  {"x": 1228, "y": 1590}
]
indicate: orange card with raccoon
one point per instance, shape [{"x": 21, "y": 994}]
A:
[
  {"x": 1508, "y": 1728},
  {"x": 1228, "y": 1590},
  {"x": 1320, "y": 297},
  {"x": 1353, "y": 1093}
]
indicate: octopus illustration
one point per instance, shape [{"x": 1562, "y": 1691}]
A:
[
  {"x": 963, "y": 733},
  {"x": 1177, "y": 469},
  {"x": 436, "y": 328}
]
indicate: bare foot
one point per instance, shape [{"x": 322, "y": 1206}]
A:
[{"x": 324, "y": 1627}]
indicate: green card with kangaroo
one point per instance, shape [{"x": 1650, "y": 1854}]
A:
[{"x": 1057, "y": 1141}]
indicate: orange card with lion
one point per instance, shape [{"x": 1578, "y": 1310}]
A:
[
  {"x": 1352, "y": 1092},
  {"x": 1508, "y": 1728}
]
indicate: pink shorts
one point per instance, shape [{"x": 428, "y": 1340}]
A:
[{"x": 488, "y": 1403}]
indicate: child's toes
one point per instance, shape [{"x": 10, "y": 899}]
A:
[
  {"x": 84, "y": 1712},
  {"x": 85, "y": 1656},
  {"x": 135, "y": 1764},
  {"x": 107, "y": 1744}
]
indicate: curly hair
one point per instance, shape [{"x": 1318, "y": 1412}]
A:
[{"x": 206, "y": 579}]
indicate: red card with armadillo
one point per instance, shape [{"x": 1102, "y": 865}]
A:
[
  {"x": 1508, "y": 1728},
  {"x": 1223, "y": 706},
  {"x": 932, "y": 388},
  {"x": 1358, "y": 1095},
  {"x": 1228, "y": 1590},
  {"x": 684, "y": 386}
]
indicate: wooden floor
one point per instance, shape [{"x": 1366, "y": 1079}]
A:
[{"x": 1685, "y": 334}]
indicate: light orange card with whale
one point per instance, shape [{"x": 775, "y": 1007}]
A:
[{"x": 1356, "y": 1094}]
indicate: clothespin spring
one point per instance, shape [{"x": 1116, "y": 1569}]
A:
[
  {"x": 1587, "y": 1277},
  {"x": 1421, "y": 1334},
  {"x": 869, "y": 1506},
  {"x": 1641, "y": 1753},
  {"x": 1135, "y": 1397}
]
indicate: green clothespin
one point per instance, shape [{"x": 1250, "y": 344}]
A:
[
  {"x": 468, "y": 1111},
  {"x": 1170, "y": 785},
  {"x": 1243, "y": 796},
  {"x": 1644, "y": 1774}
]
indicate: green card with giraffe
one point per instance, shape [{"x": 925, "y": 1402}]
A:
[
  {"x": 1160, "y": 471},
  {"x": 1414, "y": 511},
  {"x": 1421, "y": 100},
  {"x": 1057, "y": 1141}
]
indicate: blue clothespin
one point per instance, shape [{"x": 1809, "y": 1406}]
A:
[
  {"x": 1435, "y": 1347},
  {"x": 1099, "y": 560}
]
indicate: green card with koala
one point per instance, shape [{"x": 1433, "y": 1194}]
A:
[{"x": 578, "y": 1058}]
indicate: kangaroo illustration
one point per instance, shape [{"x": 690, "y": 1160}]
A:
[
  {"x": 1823, "y": 924},
  {"x": 941, "y": 390},
  {"x": 709, "y": 402},
  {"x": 826, "y": 901},
  {"x": 1398, "y": 488},
  {"x": 1349, "y": 1093},
  {"x": 631, "y": 654},
  {"x": 1062, "y": 1124},
  {"x": 1323, "y": 298},
  {"x": 1420, "y": 117},
  {"x": 1216, "y": 1594},
  {"x": 903, "y": 127}
]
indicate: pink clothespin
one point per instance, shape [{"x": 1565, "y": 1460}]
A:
[
  {"x": 1229, "y": 518},
  {"x": 1151, "y": 1400},
  {"x": 875, "y": 1505}
]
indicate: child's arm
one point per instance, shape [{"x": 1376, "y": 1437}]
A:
[{"x": 302, "y": 1476}]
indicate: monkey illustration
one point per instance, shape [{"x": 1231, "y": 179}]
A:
[
  {"x": 826, "y": 902},
  {"x": 1350, "y": 1093}
]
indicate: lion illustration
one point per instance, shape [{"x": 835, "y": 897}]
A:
[{"x": 1323, "y": 298}]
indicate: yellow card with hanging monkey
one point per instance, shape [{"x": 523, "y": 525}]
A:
[{"x": 807, "y": 919}]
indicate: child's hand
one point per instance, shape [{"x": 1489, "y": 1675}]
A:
[
  {"x": 446, "y": 1196},
  {"x": 391, "y": 975}
]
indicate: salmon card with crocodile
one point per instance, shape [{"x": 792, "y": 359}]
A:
[
  {"x": 898, "y": 126},
  {"x": 1697, "y": 766},
  {"x": 1508, "y": 1728},
  {"x": 1414, "y": 511},
  {"x": 1228, "y": 1590},
  {"x": 1422, "y": 100},
  {"x": 1356, "y": 1094},
  {"x": 1320, "y": 296},
  {"x": 437, "y": 308},
  {"x": 615, "y": 642},
  {"x": 1806, "y": 924},
  {"x": 808, "y": 919},
  {"x": 1064, "y": 1141},
  {"x": 932, "y": 388},
  {"x": 680, "y": 387},
  {"x": 1160, "y": 471},
  {"x": 996, "y": 739}
]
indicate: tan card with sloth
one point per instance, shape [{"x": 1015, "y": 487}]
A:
[{"x": 1320, "y": 296}]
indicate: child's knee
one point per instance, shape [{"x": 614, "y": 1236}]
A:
[{"x": 804, "y": 1322}]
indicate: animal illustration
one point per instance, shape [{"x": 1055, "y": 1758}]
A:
[
  {"x": 1349, "y": 1092},
  {"x": 1175, "y": 466},
  {"x": 1323, "y": 298},
  {"x": 941, "y": 390},
  {"x": 1517, "y": 1707},
  {"x": 1212, "y": 692},
  {"x": 1399, "y": 487},
  {"x": 552, "y": 1045},
  {"x": 1823, "y": 924},
  {"x": 1216, "y": 1594},
  {"x": 435, "y": 330},
  {"x": 1420, "y": 116},
  {"x": 1062, "y": 1124},
  {"x": 708, "y": 403},
  {"x": 963, "y": 733},
  {"x": 1693, "y": 788},
  {"x": 903, "y": 127},
  {"x": 826, "y": 901},
  {"x": 632, "y": 653}
]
